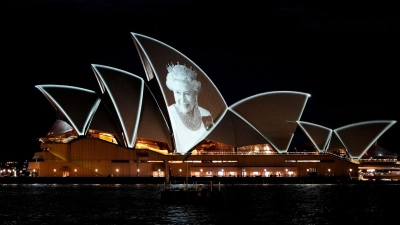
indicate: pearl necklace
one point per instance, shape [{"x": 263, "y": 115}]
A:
[{"x": 191, "y": 122}]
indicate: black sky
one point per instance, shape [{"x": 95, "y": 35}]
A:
[{"x": 345, "y": 56}]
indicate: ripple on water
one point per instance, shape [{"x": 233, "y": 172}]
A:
[{"x": 140, "y": 204}]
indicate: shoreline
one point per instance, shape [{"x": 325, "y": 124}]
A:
[{"x": 189, "y": 180}]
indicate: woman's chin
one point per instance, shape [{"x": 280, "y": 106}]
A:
[{"x": 184, "y": 110}]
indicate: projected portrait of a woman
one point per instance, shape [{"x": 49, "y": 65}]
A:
[{"x": 188, "y": 119}]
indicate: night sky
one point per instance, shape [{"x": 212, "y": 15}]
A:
[{"x": 345, "y": 56}]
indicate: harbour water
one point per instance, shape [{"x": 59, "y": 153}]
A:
[{"x": 359, "y": 203}]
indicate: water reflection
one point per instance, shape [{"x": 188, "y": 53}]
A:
[{"x": 140, "y": 204}]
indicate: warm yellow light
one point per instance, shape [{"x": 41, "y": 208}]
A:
[
  {"x": 75, "y": 170},
  {"x": 55, "y": 170}
]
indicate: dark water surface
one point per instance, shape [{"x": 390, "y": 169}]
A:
[{"x": 367, "y": 203}]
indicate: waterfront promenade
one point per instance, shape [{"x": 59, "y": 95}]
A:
[{"x": 183, "y": 180}]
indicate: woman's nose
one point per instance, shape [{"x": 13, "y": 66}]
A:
[{"x": 182, "y": 96}]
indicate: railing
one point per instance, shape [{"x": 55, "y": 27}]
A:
[
  {"x": 255, "y": 153},
  {"x": 378, "y": 160}
]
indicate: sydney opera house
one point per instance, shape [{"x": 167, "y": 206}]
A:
[{"x": 175, "y": 122}]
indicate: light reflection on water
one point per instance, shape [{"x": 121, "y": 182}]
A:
[{"x": 140, "y": 204}]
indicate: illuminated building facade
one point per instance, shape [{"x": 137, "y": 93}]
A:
[{"x": 176, "y": 123}]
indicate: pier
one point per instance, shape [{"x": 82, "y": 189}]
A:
[{"x": 205, "y": 192}]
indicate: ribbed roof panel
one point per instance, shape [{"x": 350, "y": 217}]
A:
[
  {"x": 319, "y": 135},
  {"x": 76, "y": 104},
  {"x": 273, "y": 115},
  {"x": 152, "y": 122},
  {"x": 156, "y": 56},
  {"x": 359, "y": 137},
  {"x": 126, "y": 93}
]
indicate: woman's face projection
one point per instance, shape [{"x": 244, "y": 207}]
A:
[{"x": 185, "y": 97}]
